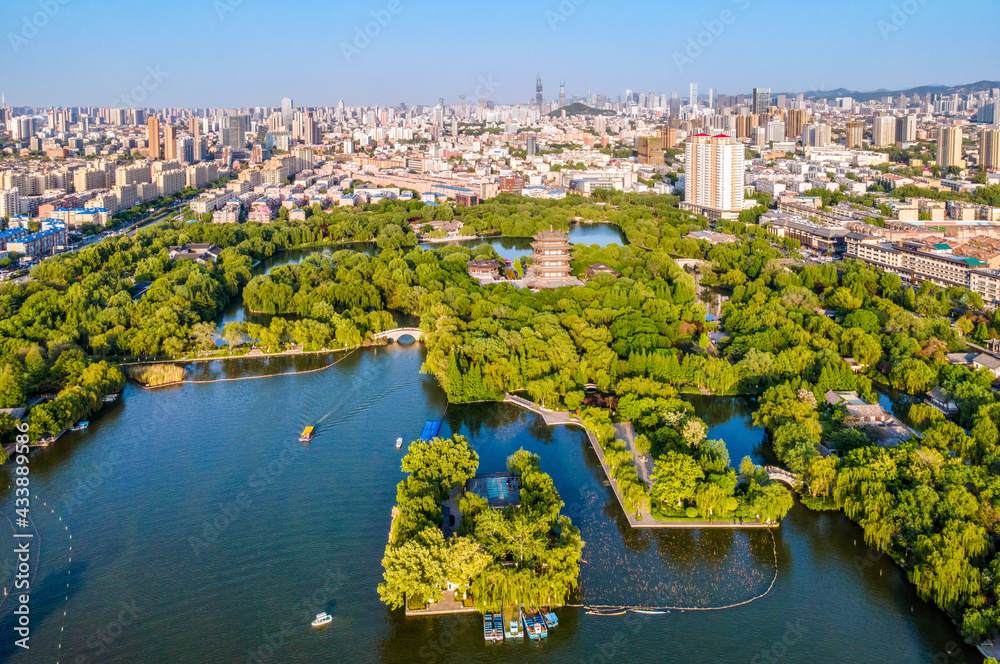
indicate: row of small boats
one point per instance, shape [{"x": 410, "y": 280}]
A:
[{"x": 531, "y": 623}]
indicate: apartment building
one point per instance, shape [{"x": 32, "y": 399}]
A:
[{"x": 714, "y": 176}]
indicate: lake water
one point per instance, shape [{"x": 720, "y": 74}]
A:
[
  {"x": 196, "y": 508},
  {"x": 515, "y": 247}
]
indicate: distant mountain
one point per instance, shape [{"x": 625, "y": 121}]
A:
[
  {"x": 922, "y": 90},
  {"x": 578, "y": 109}
]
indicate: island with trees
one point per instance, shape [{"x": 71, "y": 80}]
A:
[{"x": 523, "y": 552}]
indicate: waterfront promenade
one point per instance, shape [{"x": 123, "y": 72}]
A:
[{"x": 625, "y": 431}]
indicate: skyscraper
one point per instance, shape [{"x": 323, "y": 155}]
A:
[
  {"x": 234, "y": 129},
  {"x": 711, "y": 97},
  {"x": 796, "y": 118},
  {"x": 883, "y": 131},
  {"x": 287, "y": 112},
  {"x": 949, "y": 147},
  {"x": 693, "y": 94},
  {"x": 816, "y": 135},
  {"x": 153, "y": 138},
  {"x": 989, "y": 149},
  {"x": 562, "y": 94},
  {"x": 169, "y": 142},
  {"x": 194, "y": 126},
  {"x": 855, "y": 133},
  {"x": 714, "y": 176},
  {"x": 761, "y": 101},
  {"x": 538, "y": 90},
  {"x": 906, "y": 129}
]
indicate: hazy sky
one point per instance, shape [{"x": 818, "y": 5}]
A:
[{"x": 253, "y": 52}]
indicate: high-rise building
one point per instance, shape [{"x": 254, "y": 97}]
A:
[
  {"x": 650, "y": 149},
  {"x": 906, "y": 129},
  {"x": 169, "y": 143},
  {"x": 795, "y": 119},
  {"x": 883, "y": 131},
  {"x": 194, "y": 126},
  {"x": 153, "y": 138},
  {"x": 711, "y": 97},
  {"x": 287, "y": 112},
  {"x": 714, "y": 176},
  {"x": 949, "y": 147},
  {"x": 775, "y": 131},
  {"x": 184, "y": 149},
  {"x": 693, "y": 97},
  {"x": 855, "y": 133},
  {"x": 816, "y": 135},
  {"x": 562, "y": 94},
  {"x": 538, "y": 90},
  {"x": 761, "y": 100},
  {"x": 989, "y": 150},
  {"x": 234, "y": 129},
  {"x": 745, "y": 124}
]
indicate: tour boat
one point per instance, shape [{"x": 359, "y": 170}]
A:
[
  {"x": 650, "y": 612},
  {"x": 307, "y": 434},
  {"x": 399, "y": 443},
  {"x": 592, "y": 612},
  {"x": 498, "y": 626},
  {"x": 80, "y": 426},
  {"x": 549, "y": 617},
  {"x": 322, "y": 618}
]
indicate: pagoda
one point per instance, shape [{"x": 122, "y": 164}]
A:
[
  {"x": 550, "y": 258},
  {"x": 550, "y": 255}
]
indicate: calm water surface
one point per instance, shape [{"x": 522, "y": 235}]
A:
[{"x": 197, "y": 508}]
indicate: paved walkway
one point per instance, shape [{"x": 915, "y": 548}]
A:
[
  {"x": 448, "y": 604},
  {"x": 626, "y": 432},
  {"x": 647, "y": 521},
  {"x": 551, "y": 417}
]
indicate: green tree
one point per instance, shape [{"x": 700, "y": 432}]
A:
[
  {"x": 675, "y": 479},
  {"x": 416, "y": 568},
  {"x": 12, "y": 388}
]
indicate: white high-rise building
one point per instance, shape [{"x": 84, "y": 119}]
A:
[
  {"x": 694, "y": 94},
  {"x": 883, "y": 131},
  {"x": 10, "y": 202},
  {"x": 714, "y": 176}
]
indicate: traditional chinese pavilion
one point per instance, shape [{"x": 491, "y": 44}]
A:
[{"x": 550, "y": 258}]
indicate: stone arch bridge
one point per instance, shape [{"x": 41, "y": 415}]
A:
[{"x": 395, "y": 335}]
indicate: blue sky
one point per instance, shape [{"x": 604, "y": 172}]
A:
[{"x": 253, "y": 52}]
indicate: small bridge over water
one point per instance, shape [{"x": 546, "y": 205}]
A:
[
  {"x": 781, "y": 475},
  {"x": 395, "y": 335}
]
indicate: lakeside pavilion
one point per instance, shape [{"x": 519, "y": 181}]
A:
[{"x": 550, "y": 258}]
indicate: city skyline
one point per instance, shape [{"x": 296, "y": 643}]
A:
[{"x": 707, "y": 45}]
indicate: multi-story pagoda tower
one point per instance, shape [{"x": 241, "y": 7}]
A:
[{"x": 550, "y": 257}]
